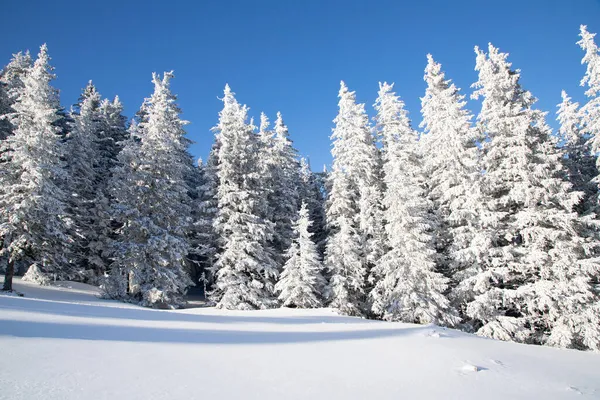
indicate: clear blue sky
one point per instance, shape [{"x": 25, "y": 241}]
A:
[{"x": 290, "y": 55}]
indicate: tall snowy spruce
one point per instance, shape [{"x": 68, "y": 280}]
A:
[
  {"x": 535, "y": 284},
  {"x": 590, "y": 112},
  {"x": 580, "y": 163},
  {"x": 311, "y": 193},
  {"x": 151, "y": 203},
  {"x": 354, "y": 215},
  {"x": 11, "y": 85},
  {"x": 32, "y": 211},
  {"x": 301, "y": 283},
  {"x": 278, "y": 162},
  {"x": 5, "y": 109},
  {"x": 407, "y": 286},
  {"x": 245, "y": 271},
  {"x": 83, "y": 185},
  {"x": 202, "y": 234},
  {"x": 451, "y": 164}
]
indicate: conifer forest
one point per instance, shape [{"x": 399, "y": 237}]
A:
[{"x": 486, "y": 221}]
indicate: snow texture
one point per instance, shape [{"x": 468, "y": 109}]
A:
[{"x": 62, "y": 342}]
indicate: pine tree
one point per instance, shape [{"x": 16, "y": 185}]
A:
[
  {"x": 301, "y": 282},
  {"x": 407, "y": 286},
  {"x": 451, "y": 156},
  {"x": 590, "y": 112},
  {"x": 202, "y": 235},
  {"x": 82, "y": 166},
  {"x": 311, "y": 193},
  {"x": 32, "y": 209},
  {"x": 245, "y": 272},
  {"x": 535, "y": 284},
  {"x": 152, "y": 203},
  {"x": 5, "y": 110},
  {"x": 11, "y": 85},
  {"x": 353, "y": 207},
  {"x": 284, "y": 198},
  {"x": 14, "y": 73},
  {"x": 279, "y": 169},
  {"x": 580, "y": 162}
]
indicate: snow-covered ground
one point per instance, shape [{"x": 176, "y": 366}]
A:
[{"x": 64, "y": 343}]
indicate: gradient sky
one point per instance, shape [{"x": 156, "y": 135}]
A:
[{"x": 290, "y": 55}]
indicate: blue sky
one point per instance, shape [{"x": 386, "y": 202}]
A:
[{"x": 290, "y": 55}]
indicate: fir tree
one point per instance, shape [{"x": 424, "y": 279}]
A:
[
  {"x": 11, "y": 85},
  {"x": 5, "y": 110},
  {"x": 32, "y": 209},
  {"x": 82, "y": 166},
  {"x": 202, "y": 235},
  {"x": 152, "y": 203},
  {"x": 579, "y": 161},
  {"x": 284, "y": 196},
  {"x": 535, "y": 284},
  {"x": 590, "y": 112},
  {"x": 407, "y": 286},
  {"x": 310, "y": 191},
  {"x": 301, "y": 282},
  {"x": 245, "y": 272},
  {"x": 353, "y": 207},
  {"x": 451, "y": 156}
]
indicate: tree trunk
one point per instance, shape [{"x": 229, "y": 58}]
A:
[{"x": 8, "y": 276}]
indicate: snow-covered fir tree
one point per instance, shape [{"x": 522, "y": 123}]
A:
[
  {"x": 279, "y": 169},
  {"x": 11, "y": 84},
  {"x": 82, "y": 186},
  {"x": 407, "y": 286},
  {"x": 535, "y": 284},
  {"x": 202, "y": 234},
  {"x": 32, "y": 209},
  {"x": 284, "y": 197},
  {"x": 5, "y": 110},
  {"x": 579, "y": 161},
  {"x": 354, "y": 215},
  {"x": 301, "y": 283},
  {"x": 112, "y": 134},
  {"x": 590, "y": 112},
  {"x": 311, "y": 192},
  {"x": 151, "y": 203},
  {"x": 450, "y": 158},
  {"x": 245, "y": 271},
  {"x": 14, "y": 72}
]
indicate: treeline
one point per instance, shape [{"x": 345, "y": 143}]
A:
[{"x": 487, "y": 224}]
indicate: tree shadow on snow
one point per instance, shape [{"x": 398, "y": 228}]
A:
[
  {"x": 145, "y": 314},
  {"x": 48, "y": 330}
]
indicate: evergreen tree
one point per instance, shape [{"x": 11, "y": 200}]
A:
[
  {"x": 450, "y": 157},
  {"x": 202, "y": 235},
  {"x": 579, "y": 161},
  {"x": 279, "y": 170},
  {"x": 311, "y": 193},
  {"x": 407, "y": 286},
  {"x": 152, "y": 203},
  {"x": 5, "y": 110},
  {"x": 301, "y": 282},
  {"x": 343, "y": 253},
  {"x": 245, "y": 272},
  {"x": 590, "y": 112},
  {"x": 32, "y": 209},
  {"x": 535, "y": 284},
  {"x": 111, "y": 135},
  {"x": 284, "y": 197},
  {"x": 82, "y": 165},
  {"x": 11, "y": 85},
  {"x": 353, "y": 207},
  {"x": 14, "y": 73}
]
